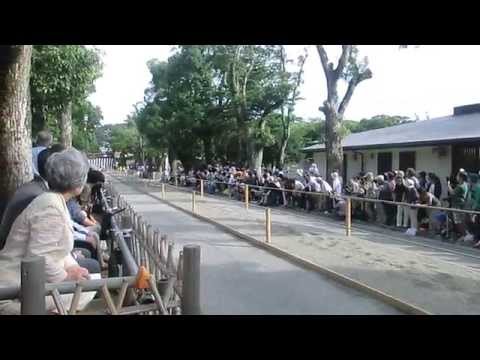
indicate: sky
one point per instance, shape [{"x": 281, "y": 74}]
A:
[{"x": 425, "y": 81}]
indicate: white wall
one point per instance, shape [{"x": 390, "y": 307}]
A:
[
  {"x": 321, "y": 161},
  {"x": 425, "y": 160}
]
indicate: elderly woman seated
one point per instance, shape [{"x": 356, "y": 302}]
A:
[{"x": 44, "y": 229}]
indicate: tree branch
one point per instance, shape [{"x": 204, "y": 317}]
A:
[
  {"x": 245, "y": 79},
  {"x": 299, "y": 79},
  {"x": 346, "y": 51},
  {"x": 323, "y": 59},
  {"x": 272, "y": 107},
  {"x": 367, "y": 74}
]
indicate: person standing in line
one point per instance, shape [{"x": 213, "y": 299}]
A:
[
  {"x": 44, "y": 140},
  {"x": 458, "y": 199},
  {"x": 400, "y": 196},
  {"x": 412, "y": 175},
  {"x": 428, "y": 199},
  {"x": 370, "y": 188},
  {"x": 422, "y": 179},
  {"x": 434, "y": 186},
  {"x": 412, "y": 198},
  {"x": 387, "y": 194}
]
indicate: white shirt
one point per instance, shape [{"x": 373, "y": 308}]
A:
[
  {"x": 337, "y": 186},
  {"x": 314, "y": 185},
  {"x": 299, "y": 186},
  {"x": 325, "y": 186}
]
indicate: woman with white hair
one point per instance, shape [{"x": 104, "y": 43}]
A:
[
  {"x": 44, "y": 229},
  {"x": 314, "y": 170},
  {"x": 412, "y": 198},
  {"x": 336, "y": 183},
  {"x": 370, "y": 188}
]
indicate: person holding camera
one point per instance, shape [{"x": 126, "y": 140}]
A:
[{"x": 458, "y": 196}]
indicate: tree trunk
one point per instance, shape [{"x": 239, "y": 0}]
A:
[
  {"x": 208, "y": 150},
  {"x": 282, "y": 156},
  {"x": 142, "y": 151},
  {"x": 334, "y": 150},
  {"x": 66, "y": 126},
  {"x": 255, "y": 149},
  {"x": 256, "y": 159},
  {"x": 283, "y": 146},
  {"x": 15, "y": 134}
]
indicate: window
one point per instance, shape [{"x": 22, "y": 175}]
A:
[
  {"x": 406, "y": 160},
  {"x": 466, "y": 156},
  {"x": 384, "y": 162}
]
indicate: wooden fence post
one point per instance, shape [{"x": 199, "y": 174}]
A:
[
  {"x": 268, "y": 225},
  {"x": 33, "y": 286},
  {"x": 348, "y": 216},
  {"x": 191, "y": 280},
  {"x": 193, "y": 201}
]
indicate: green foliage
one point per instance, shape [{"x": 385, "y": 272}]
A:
[
  {"x": 61, "y": 74},
  {"x": 86, "y": 119},
  {"x": 355, "y": 66},
  {"x": 381, "y": 121},
  {"x": 125, "y": 138},
  {"x": 208, "y": 103},
  {"x": 311, "y": 131},
  {"x": 303, "y": 133},
  {"x": 185, "y": 105}
]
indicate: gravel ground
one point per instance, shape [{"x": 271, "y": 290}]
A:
[{"x": 434, "y": 278}]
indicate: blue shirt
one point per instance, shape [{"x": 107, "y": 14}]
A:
[{"x": 35, "y": 151}]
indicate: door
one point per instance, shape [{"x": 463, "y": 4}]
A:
[
  {"x": 466, "y": 157},
  {"x": 406, "y": 160},
  {"x": 384, "y": 162}
]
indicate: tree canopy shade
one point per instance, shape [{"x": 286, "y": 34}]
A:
[
  {"x": 62, "y": 75},
  {"x": 236, "y": 104},
  {"x": 215, "y": 102},
  {"x": 233, "y": 103}
]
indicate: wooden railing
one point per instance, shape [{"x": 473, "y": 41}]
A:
[{"x": 148, "y": 262}]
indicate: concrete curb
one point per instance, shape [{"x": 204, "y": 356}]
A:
[{"x": 343, "y": 279}]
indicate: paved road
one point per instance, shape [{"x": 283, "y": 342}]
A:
[
  {"x": 439, "y": 277},
  {"x": 238, "y": 278}
]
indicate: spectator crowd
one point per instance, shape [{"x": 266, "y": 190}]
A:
[
  {"x": 400, "y": 196},
  {"x": 52, "y": 217}
]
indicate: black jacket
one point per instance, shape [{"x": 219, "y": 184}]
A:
[{"x": 399, "y": 192}]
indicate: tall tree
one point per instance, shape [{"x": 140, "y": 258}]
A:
[
  {"x": 186, "y": 105},
  {"x": 354, "y": 71},
  {"x": 125, "y": 139},
  {"x": 287, "y": 110},
  {"x": 257, "y": 89},
  {"x": 61, "y": 76},
  {"x": 15, "y": 139}
]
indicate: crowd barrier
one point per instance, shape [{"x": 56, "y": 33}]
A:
[{"x": 246, "y": 189}]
